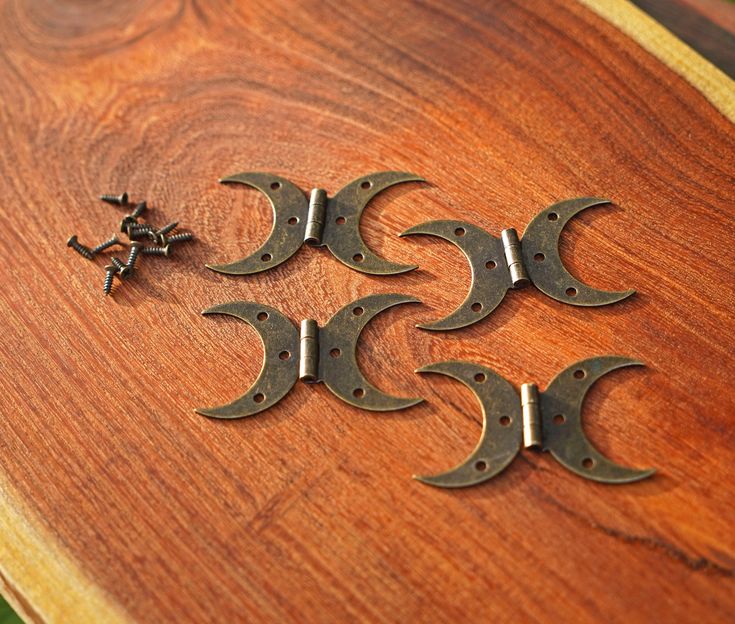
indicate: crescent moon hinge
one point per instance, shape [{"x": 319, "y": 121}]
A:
[
  {"x": 549, "y": 421},
  {"x": 515, "y": 262},
  {"x": 324, "y": 354},
  {"x": 332, "y": 222}
]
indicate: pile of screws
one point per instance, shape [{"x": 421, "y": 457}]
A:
[{"x": 135, "y": 230}]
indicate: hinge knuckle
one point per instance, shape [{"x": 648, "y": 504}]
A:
[
  {"x": 514, "y": 258},
  {"x": 316, "y": 217},
  {"x": 532, "y": 434},
  {"x": 309, "y": 351}
]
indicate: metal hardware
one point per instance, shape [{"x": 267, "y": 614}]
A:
[
  {"x": 110, "y": 271},
  {"x": 136, "y": 230},
  {"x": 159, "y": 236},
  {"x": 108, "y": 243},
  {"x": 116, "y": 200},
  {"x": 550, "y": 419},
  {"x": 157, "y": 251},
  {"x": 531, "y": 416},
  {"x": 139, "y": 210},
  {"x": 321, "y": 221},
  {"x": 122, "y": 268},
  {"x": 314, "y": 354},
  {"x": 135, "y": 249},
  {"x": 499, "y": 265},
  {"x": 179, "y": 238},
  {"x": 85, "y": 251}
]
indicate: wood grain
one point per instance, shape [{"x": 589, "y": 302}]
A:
[{"x": 308, "y": 513}]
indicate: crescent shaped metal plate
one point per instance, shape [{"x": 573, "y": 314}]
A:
[
  {"x": 540, "y": 247},
  {"x": 290, "y": 208},
  {"x": 501, "y": 425},
  {"x": 490, "y": 277},
  {"x": 280, "y": 362},
  {"x": 342, "y": 229},
  {"x": 561, "y": 409},
  {"x": 338, "y": 360}
]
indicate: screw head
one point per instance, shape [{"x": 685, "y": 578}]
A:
[{"x": 72, "y": 241}]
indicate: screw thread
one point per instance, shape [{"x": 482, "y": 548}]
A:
[
  {"x": 167, "y": 228},
  {"x": 156, "y": 251},
  {"x": 139, "y": 210},
  {"x": 180, "y": 238},
  {"x": 107, "y": 288},
  {"x": 138, "y": 229},
  {"x": 116, "y": 200},
  {"x": 133, "y": 256},
  {"x": 119, "y": 264},
  {"x": 83, "y": 250},
  {"x": 108, "y": 243}
]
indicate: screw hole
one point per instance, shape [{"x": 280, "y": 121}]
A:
[
  {"x": 284, "y": 355},
  {"x": 335, "y": 353},
  {"x": 490, "y": 264},
  {"x": 259, "y": 397},
  {"x": 266, "y": 257},
  {"x": 571, "y": 291},
  {"x": 340, "y": 220},
  {"x": 262, "y": 316},
  {"x": 476, "y": 307},
  {"x": 559, "y": 419},
  {"x": 459, "y": 232},
  {"x": 293, "y": 220},
  {"x": 504, "y": 421},
  {"x": 480, "y": 377},
  {"x": 358, "y": 311},
  {"x": 553, "y": 216},
  {"x": 579, "y": 374},
  {"x": 358, "y": 393},
  {"x": 481, "y": 465},
  {"x": 588, "y": 462},
  {"x": 358, "y": 257},
  {"x": 366, "y": 184},
  {"x": 539, "y": 257},
  {"x": 275, "y": 186}
]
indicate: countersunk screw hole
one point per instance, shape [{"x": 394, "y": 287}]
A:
[
  {"x": 259, "y": 398},
  {"x": 340, "y": 220},
  {"x": 335, "y": 353},
  {"x": 366, "y": 184},
  {"x": 262, "y": 316},
  {"x": 539, "y": 257},
  {"x": 266, "y": 257},
  {"x": 275, "y": 186},
  {"x": 579, "y": 374},
  {"x": 571, "y": 291},
  {"x": 476, "y": 307},
  {"x": 358, "y": 393},
  {"x": 284, "y": 355},
  {"x": 481, "y": 465},
  {"x": 459, "y": 232},
  {"x": 358, "y": 257},
  {"x": 504, "y": 420},
  {"x": 480, "y": 377},
  {"x": 293, "y": 220},
  {"x": 588, "y": 462},
  {"x": 559, "y": 419},
  {"x": 491, "y": 264},
  {"x": 358, "y": 311},
  {"x": 553, "y": 216}
]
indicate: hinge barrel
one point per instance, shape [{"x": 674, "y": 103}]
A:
[
  {"x": 309, "y": 352},
  {"x": 532, "y": 434},
  {"x": 316, "y": 217},
  {"x": 514, "y": 258}
]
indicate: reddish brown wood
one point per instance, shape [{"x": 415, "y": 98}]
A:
[{"x": 308, "y": 512}]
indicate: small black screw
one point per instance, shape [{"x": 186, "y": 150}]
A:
[
  {"x": 108, "y": 243},
  {"x": 138, "y": 229},
  {"x": 115, "y": 200},
  {"x": 110, "y": 271},
  {"x": 85, "y": 251},
  {"x": 180, "y": 238},
  {"x": 135, "y": 248},
  {"x": 138, "y": 210},
  {"x": 157, "y": 251},
  {"x": 122, "y": 268},
  {"x": 159, "y": 236}
]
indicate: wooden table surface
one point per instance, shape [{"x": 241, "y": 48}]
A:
[{"x": 120, "y": 503}]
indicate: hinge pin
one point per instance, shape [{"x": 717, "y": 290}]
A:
[
  {"x": 316, "y": 217},
  {"x": 514, "y": 258},
  {"x": 309, "y": 358},
  {"x": 531, "y": 416}
]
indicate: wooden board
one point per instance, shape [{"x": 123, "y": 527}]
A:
[{"x": 119, "y": 503}]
